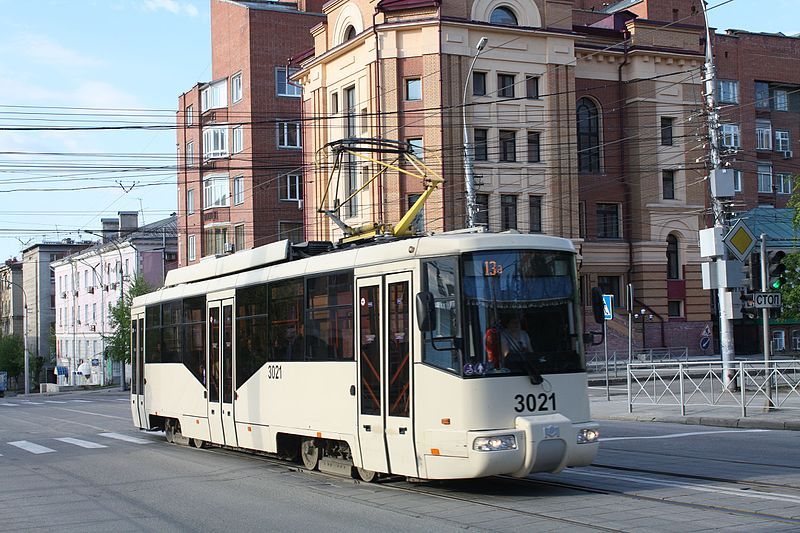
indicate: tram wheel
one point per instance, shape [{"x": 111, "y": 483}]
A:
[
  {"x": 309, "y": 452},
  {"x": 367, "y": 476},
  {"x": 169, "y": 431},
  {"x": 197, "y": 443}
]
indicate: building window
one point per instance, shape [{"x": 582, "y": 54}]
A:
[
  {"x": 737, "y": 181},
  {"x": 291, "y": 187},
  {"x": 535, "y": 206},
  {"x": 236, "y": 87},
  {"x": 666, "y": 131},
  {"x": 508, "y": 146},
  {"x": 534, "y": 147},
  {"x": 784, "y": 183},
  {"x": 588, "y": 136},
  {"x": 482, "y": 210},
  {"x": 481, "y": 148},
  {"x": 190, "y": 154},
  {"x": 674, "y": 308},
  {"x": 284, "y": 86},
  {"x": 291, "y": 230},
  {"x": 762, "y": 95},
  {"x": 730, "y": 136},
  {"x": 289, "y": 135},
  {"x": 582, "y": 220},
  {"x": 782, "y": 142},
  {"x": 190, "y": 201},
  {"x": 532, "y": 87},
  {"x": 215, "y": 240},
  {"x": 765, "y": 178},
  {"x": 418, "y": 224},
  {"x": 611, "y": 285},
  {"x": 479, "y": 84},
  {"x": 214, "y": 96},
  {"x": 780, "y": 100},
  {"x": 215, "y": 192},
  {"x": 238, "y": 237},
  {"x": 238, "y": 139},
  {"x": 778, "y": 340},
  {"x": 364, "y": 119},
  {"x": 413, "y": 89},
  {"x": 763, "y": 135},
  {"x": 503, "y": 15},
  {"x": 350, "y": 33},
  {"x": 417, "y": 147},
  {"x": 192, "y": 247},
  {"x": 238, "y": 190},
  {"x": 508, "y": 212},
  {"x": 334, "y": 103},
  {"x": 608, "y": 221},
  {"x": 796, "y": 340},
  {"x": 728, "y": 91},
  {"x": 673, "y": 264},
  {"x": 668, "y": 184},
  {"x": 215, "y": 142},
  {"x": 189, "y": 115},
  {"x": 505, "y": 85}
]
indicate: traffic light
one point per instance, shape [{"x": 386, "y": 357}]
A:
[
  {"x": 777, "y": 270},
  {"x": 597, "y": 305},
  {"x": 748, "y": 311},
  {"x": 753, "y": 273}
]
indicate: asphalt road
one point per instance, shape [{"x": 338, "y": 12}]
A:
[{"x": 73, "y": 462}]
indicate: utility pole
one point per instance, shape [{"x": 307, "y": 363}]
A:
[{"x": 765, "y": 322}]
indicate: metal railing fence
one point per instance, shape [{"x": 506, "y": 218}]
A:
[{"x": 618, "y": 359}]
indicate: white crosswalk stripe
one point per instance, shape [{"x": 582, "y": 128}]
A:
[
  {"x": 54, "y": 401},
  {"x": 10, "y": 404},
  {"x": 81, "y": 401},
  {"x": 126, "y": 438},
  {"x": 31, "y": 447},
  {"x": 33, "y": 403},
  {"x": 81, "y": 443}
]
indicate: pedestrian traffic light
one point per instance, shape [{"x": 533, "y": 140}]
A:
[
  {"x": 777, "y": 269},
  {"x": 597, "y": 305},
  {"x": 748, "y": 311},
  {"x": 753, "y": 273}
]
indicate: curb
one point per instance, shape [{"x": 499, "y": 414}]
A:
[{"x": 740, "y": 423}]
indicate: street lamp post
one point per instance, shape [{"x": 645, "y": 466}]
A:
[
  {"x": 24, "y": 334},
  {"x": 645, "y": 318},
  {"x": 469, "y": 179}
]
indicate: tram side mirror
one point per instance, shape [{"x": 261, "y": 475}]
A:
[
  {"x": 426, "y": 313},
  {"x": 597, "y": 305}
]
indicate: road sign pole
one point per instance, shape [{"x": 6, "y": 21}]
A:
[
  {"x": 605, "y": 350},
  {"x": 765, "y": 325}
]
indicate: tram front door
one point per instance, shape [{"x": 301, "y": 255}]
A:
[
  {"x": 219, "y": 362},
  {"x": 137, "y": 372},
  {"x": 385, "y": 427}
]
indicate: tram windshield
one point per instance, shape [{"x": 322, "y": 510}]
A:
[{"x": 520, "y": 314}]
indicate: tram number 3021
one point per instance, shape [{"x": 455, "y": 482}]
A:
[
  {"x": 274, "y": 372},
  {"x": 535, "y": 402}
]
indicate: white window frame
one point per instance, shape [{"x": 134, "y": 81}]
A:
[
  {"x": 237, "y": 139},
  {"x": 190, "y": 201},
  {"x": 780, "y": 100},
  {"x": 783, "y": 183},
  {"x": 783, "y": 142},
  {"x": 728, "y": 91},
  {"x": 283, "y": 129},
  {"x": 236, "y": 87},
  {"x": 216, "y": 192},
  {"x": 737, "y": 181},
  {"x": 765, "y": 179},
  {"x": 189, "y": 114},
  {"x": 238, "y": 190},
  {"x": 763, "y": 135},
  {"x": 215, "y": 142},
  {"x": 292, "y": 191},
  {"x": 778, "y": 340},
  {"x": 417, "y": 145},
  {"x": 284, "y": 86},
  {"x": 189, "y": 153},
  {"x": 214, "y": 96},
  {"x": 192, "y": 246},
  {"x": 731, "y": 136},
  {"x": 415, "y": 85}
]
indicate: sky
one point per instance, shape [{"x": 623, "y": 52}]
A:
[{"x": 102, "y": 63}]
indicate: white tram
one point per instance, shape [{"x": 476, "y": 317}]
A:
[{"x": 389, "y": 358}]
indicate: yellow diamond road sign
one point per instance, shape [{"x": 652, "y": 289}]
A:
[{"x": 740, "y": 240}]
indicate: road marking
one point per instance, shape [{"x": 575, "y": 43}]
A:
[
  {"x": 126, "y": 438},
  {"x": 94, "y": 414},
  {"x": 679, "y": 435},
  {"x": 54, "y": 401},
  {"x": 81, "y": 443},
  {"x": 81, "y": 401},
  {"x": 33, "y": 403},
  {"x": 31, "y": 447},
  {"x": 754, "y": 494},
  {"x": 10, "y": 404}
]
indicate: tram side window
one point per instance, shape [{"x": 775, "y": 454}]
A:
[
  {"x": 171, "y": 345},
  {"x": 441, "y": 280},
  {"x": 194, "y": 338},
  {"x": 286, "y": 321},
  {"x": 329, "y": 318},
  {"x": 152, "y": 334},
  {"x": 251, "y": 332}
]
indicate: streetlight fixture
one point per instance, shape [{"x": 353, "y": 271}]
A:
[
  {"x": 645, "y": 317},
  {"x": 469, "y": 179}
]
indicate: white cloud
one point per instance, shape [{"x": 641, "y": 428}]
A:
[
  {"x": 173, "y": 6},
  {"x": 43, "y": 50}
]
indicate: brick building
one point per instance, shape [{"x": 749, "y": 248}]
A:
[{"x": 240, "y": 179}]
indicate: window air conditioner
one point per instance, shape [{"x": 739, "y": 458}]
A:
[
  {"x": 228, "y": 248},
  {"x": 92, "y": 327},
  {"x": 64, "y": 295},
  {"x": 90, "y": 290},
  {"x": 787, "y": 154},
  {"x": 76, "y": 293}
]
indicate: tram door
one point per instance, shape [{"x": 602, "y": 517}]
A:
[
  {"x": 386, "y": 430},
  {"x": 219, "y": 363},
  {"x": 137, "y": 372}
]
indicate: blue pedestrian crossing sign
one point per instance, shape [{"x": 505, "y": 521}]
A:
[{"x": 608, "y": 306}]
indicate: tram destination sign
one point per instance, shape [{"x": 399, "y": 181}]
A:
[{"x": 766, "y": 300}]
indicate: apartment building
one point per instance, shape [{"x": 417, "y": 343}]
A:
[
  {"x": 12, "y": 302},
  {"x": 240, "y": 178},
  {"x": 90, "y": 282}
]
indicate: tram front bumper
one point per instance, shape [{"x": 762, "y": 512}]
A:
[{"x": 553, "y": 442}]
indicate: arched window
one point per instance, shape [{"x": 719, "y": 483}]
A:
[
  {"x": 673, "y": 264},
  {"x": 503, "y": 15},
  {"x": 588, "y": 136},
  {"x": 349, "y": 33}
]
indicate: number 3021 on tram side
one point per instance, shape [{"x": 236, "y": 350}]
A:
[{"x": 440, "y": 357}]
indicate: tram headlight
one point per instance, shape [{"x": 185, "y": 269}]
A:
[
  {"x": 588, "y": 436},
  {"x": 495, "y": 443}
]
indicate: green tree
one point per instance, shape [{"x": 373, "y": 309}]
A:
[
  {"x": 790, "y": 291},
  {"x": 12, "y": 355},
  {"x": 118, "y": 344}
]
